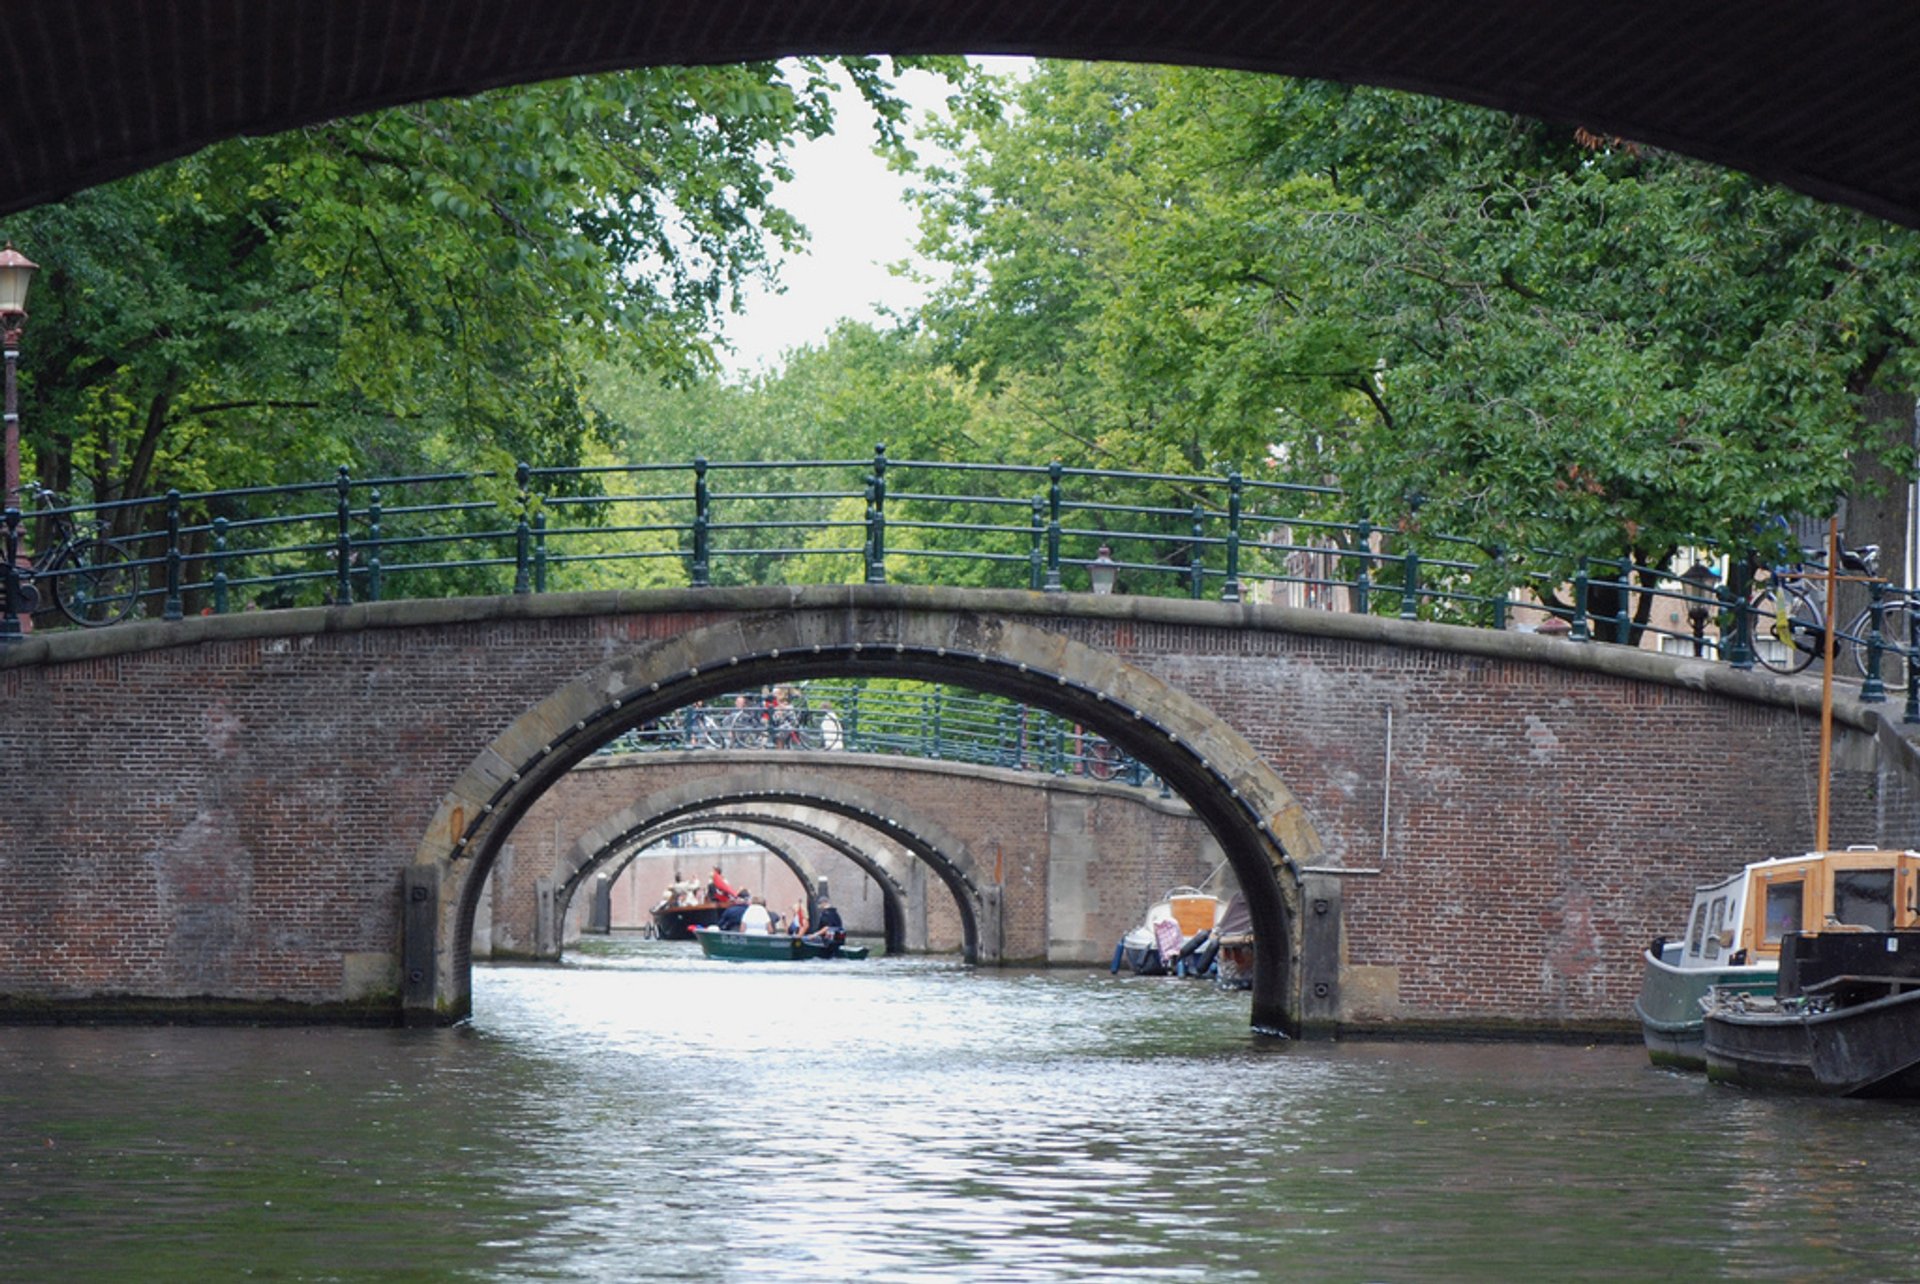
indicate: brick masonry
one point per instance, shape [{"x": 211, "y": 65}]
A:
[{"x": 218, "y": 812}]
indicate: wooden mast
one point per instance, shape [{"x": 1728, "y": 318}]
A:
[{"x": 1821, "y": 813}]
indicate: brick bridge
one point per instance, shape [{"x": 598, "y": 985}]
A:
[{"x": 294, "y": 814}]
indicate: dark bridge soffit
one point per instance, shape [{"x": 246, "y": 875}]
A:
[{"x": 1818, "y": 94}]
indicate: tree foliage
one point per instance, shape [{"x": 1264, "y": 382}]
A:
[{"x": 422, "y": 287}]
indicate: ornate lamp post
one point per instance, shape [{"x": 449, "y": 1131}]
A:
[
  {"x": 1102, "y": 570},
  {"x": 16, "y": 271},
  {"x": 1701, "y": 583}
]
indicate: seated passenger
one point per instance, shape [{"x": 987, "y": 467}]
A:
[
  {"x": 755, "y": 917},
  {"x": 731, "y": 916},
  {"x": 828, "y": 926}
]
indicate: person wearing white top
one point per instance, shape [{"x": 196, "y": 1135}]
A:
[{"x": 757, "y": 919}]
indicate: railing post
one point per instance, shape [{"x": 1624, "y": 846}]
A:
[
  {"x": 1052, "y": 583},
  {"x": 522, "y": 539},
  {"x": 171, "y": 609},
  {"x": 1410, "y": 585},
  {"x": 1913, "y": 666},
  {"x": 1874, "y": 690},
  {"x": 374, "y": 536},
  {"x": 540, "y": 551},
  {"x": 10, "y": 627},
  {"x": 1362, "y": 583},
  {"x": 877, "y": 518},
  {"x": 1578, "y": 631},
  {"x": 1230, "y": 591},
  {"x": 939, "y": 711},
  {"x": 220, "y": 566},
  {"x": 1500, "y": 603},
  {"x": 702, "y": 519},
  {"x": 1623, "y": 617},
  {"x": 1738, "y": 590},
  {"x": 343, "y": 539},
  {"x": 1196, "y": 564},
  {"x": 1036, "y": 557}
]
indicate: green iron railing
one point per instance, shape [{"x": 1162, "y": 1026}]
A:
[
  {"x": 1045, "y": 528},
  {"x": 906, "y": 720}
]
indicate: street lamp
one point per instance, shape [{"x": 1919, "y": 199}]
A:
[
  {"x": 1102, "y": 570},
  {"x": 1702, "y": 583},
  {"x": 16, "y": 271}
]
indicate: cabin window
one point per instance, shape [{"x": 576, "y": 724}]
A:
[
  {"x": 1699, "y": 930},
  {"x": 1864, "y": 898},
  {"x": 1715, "y": 922},
  {"x": 1783, "y": 910}
]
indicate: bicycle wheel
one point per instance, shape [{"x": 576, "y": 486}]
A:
[
  {"x": 1788, "y": 633},
  {"x": 746, "y": 731},
  {"x": 1895, "y": 624},
  {"x": 94, "y": 583},
  {"x": 1103, "y": 760}
]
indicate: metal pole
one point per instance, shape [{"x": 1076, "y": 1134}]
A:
[
  {"x": 10, "y": 630},
  {"x": 702, "y": 504},
  {"x": 1053, "y": 584},
  {"x": 877, "y": 519},
  {"x": 522, "y": 539},
  {"x": 172, "y": 608},
  {"x": 1230, "y": 592},
  {"x": 343, "y": 546},
  {"x": 1874, "y": 689}
]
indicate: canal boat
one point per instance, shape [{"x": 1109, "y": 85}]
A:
[
  {"x": 1233, "y": 946},
  {"x": 1169, "y": 931},
  {"x": 764, "y": 947},
  {"x": 685, "y": 907},
  {"x": 1732, "y": 937},
  {"x": 1844, "y": 1020}
]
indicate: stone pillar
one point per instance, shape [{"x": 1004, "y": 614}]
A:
[
  {"x": 1319, "y": 955},
  {"x": 419, "y": 917}
]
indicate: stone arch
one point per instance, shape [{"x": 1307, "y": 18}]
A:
[
  {"x": 1259, "y": 824},
  {"x": 750, "y": 826},
  {"x": 944, "y": 853}
]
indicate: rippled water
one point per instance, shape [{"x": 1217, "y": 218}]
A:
[{"x": 642, "y": 1113}]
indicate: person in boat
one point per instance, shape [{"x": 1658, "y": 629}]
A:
[
  {"x": 732, "y": 916},
  {"x": 720, "y": 891},
  {"x": 797, "y": 919},
  {"x": 828, "y": 926},
  {"x": 756, "y": 918}
]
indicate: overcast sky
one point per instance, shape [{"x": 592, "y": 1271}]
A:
[{"x": 860, "y": 222}]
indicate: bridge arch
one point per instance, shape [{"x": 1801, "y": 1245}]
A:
[
  {"x": 1261, "y": 827},
  {"x": 752, "y": 826}
]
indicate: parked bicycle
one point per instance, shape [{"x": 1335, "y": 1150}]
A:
[
  {"x": 92, "y": 577},
  {"x": 1790, "y": 617}
]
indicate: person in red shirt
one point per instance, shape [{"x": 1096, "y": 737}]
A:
[{"x": 719, "y": 890}]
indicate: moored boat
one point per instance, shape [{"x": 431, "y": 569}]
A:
[
  {"x": 1733, "y": 933},
  {"x": 1845, "y": 1020},
  {"x": 1174, "y": 928},
  {"x": 1233, "y": 946}
]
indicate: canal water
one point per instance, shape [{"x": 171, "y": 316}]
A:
[{"x": 641, "y": 1113}]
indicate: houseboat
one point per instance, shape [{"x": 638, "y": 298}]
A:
[{"x": 1733, "y": 934}]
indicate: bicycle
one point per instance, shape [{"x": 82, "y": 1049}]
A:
[
  {"x": 92, "y": 576},
  {"x": 1790, "y": 620},
  {"x": 1897, "y": 613},
  {"x": 790, "y": 730}
]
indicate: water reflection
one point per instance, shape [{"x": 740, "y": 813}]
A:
[{"x": 641, "y": 1111}]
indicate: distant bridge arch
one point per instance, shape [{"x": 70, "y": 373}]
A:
[
  {"x": 1251, "y": 813},
  {"x": 756, "y": 827}
]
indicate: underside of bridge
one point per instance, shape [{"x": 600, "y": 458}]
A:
[{"x": 1818, "y": 96}]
